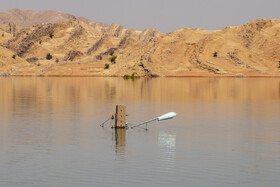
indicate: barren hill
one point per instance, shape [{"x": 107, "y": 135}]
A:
[
  {"x": 28, "y": 18},
  {"x": 79, "y": 47}
]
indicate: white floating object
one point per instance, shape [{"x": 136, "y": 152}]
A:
[{"x": 169, "y": 115}]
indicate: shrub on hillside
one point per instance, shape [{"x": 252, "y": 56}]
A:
[
  {"x": 113, "y": 59},
  {"x": 48, "y": 56},
  {"x": 107, "y": 66},
  {"x": 215, "y": 54}
]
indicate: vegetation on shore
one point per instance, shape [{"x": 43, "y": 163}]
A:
[{"x": 132, "y": 76}]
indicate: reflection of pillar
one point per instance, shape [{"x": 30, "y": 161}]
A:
[
  {"x": 120, "y": 142},
  {"x": 120, "y": 137}
]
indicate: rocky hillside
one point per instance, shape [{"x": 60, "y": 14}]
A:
[{"x": 62, "y": 45}]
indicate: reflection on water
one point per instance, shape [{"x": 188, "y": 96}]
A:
[
  {"x": 279, "y": 89},
  {"x": 167, "y": 141},
  {"x": 226, "y": 132},
  {"x": 120, "y": 141},
  {"x": 69, "y": 90},
  {"x": 167, "y": 145}
]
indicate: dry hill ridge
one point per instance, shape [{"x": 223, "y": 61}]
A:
[{"x": 59, "y": 44}]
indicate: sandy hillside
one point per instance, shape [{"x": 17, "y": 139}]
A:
[{"x": 79, "y": 47}]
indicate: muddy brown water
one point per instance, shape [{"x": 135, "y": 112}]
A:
[{"x": 226, "y": 132}]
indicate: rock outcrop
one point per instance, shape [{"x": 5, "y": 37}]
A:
[
  {"x": 30, "y": 38},
  {"x": 12, "y": 28},
  {"x": 76, "y": 33},
  {"x": 71, "y": 55},
  {"x": 32, "y": 59}
]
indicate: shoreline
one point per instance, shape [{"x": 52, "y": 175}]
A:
[{"x": 186, "y": 76}]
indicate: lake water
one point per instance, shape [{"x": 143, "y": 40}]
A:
[{"x": 226, "y": 132}]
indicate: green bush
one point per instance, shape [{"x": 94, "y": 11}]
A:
[
  {"x": 38, "y": 64},
  {"x": 14, "y": 56},
  {"x": 215, "y": 54},
  {"x": 3, "y": 34},
  {"x": 126, "y": 76},
  {"x": 113, "y": 59},
  {"x": 51, "y": 35},
  {"x": 111, "y": 53},
  {"x": 107, "y": 66},
  {"x": 279, "y": 64},
  {"x": 48, "y": 56},
  {"x": 132, "y": 76}
]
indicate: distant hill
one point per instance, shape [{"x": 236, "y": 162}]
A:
[
  {"x": 80, "y": 47},
  {"x": 28, "y": 18}
]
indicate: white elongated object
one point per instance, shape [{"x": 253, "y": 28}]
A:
[{"x": 169, "y": 115}]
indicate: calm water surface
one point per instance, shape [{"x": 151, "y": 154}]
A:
[{"x": 226, "y": 132}]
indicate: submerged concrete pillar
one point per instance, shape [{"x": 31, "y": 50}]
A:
[{"x": 120, "y": 116}]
